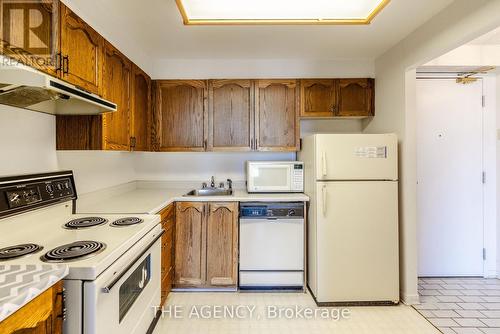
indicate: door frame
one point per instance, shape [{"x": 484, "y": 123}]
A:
[{"x": 488, "y": 162}]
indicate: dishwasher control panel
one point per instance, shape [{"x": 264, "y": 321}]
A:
[{"x": 275, "y": 210}]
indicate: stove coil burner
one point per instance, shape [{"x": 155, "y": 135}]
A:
[
  {"x": 126, "y": 222},
  {"x": 85, "y": 222},
  {"x": 74, "y": 251},
  {"x": 17, "y": 251}
]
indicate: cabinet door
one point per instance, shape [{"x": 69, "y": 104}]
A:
[
  {"x": 356, "y": 98},
  {"x": 116, "y": 125},
  {"x": 318, "y": 98},
  {"x": 82, "y": 51},
  {"x": 180, "y": 116},
  {"x": 276, "y": 112},
  {"x": 222, "y": 244},
  {"x": 38, "y": 46},
  {"x": 190, "y": 244},
  {"x": 42, "y": 315},
  {"x": 231, "y": 115},
  {"x": 141, "y": 109}
]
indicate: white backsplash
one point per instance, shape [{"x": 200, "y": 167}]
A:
[{"x": 27, "y": 142}]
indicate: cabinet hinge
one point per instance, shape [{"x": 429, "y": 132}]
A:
[
  {"x": 484, "y": 253},
  {"x": 484, "y": 178}
]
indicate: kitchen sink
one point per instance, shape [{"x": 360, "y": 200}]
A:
[{"x": 210, "y": 192}]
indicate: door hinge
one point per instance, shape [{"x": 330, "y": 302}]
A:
[
  {"x": 483, "y": 101},
  {"x": 484, "y": 253},
  {"x": 484, "y": 178}
]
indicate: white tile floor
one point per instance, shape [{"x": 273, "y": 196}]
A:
[
  {"x": 363, "y": 320},
  {"x": 461, "y": 305}
]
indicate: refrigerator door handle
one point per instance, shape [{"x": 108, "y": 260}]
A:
[
  {"x": 323, "y": 163},
  {"x": 323, "y": 192}
]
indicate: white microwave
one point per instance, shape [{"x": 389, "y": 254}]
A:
[{"x": 275, "y": 176}]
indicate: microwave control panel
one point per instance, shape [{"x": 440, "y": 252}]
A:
[{"x": 298, "y": 177}]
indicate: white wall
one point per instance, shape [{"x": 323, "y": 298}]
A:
[
  {"x": 96, "y": 170},
  {"x": 199, "y": 166},
  {"x": 469, "y": 55},
  {"x": 260, "y": 68},
  {"x": 27, "y": 142},
  {"x": 395, "y": 72}
]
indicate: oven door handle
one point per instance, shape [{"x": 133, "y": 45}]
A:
[{"x": 108, "y": 287}]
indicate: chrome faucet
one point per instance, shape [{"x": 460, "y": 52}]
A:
[
  {"x": 212, "y": 182},
  {"x": 230, "y": 184}
]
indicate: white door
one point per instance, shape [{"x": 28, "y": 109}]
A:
[
  {"x": 356, "y": 157},
  {"x": 449, "y": 172},
  {"x": 357, "y": 241}
]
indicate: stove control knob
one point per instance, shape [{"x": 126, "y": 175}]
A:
[
  {"x": 66, "y": 185},
  {"x": 291, "y": 212},
  {"x": 50, "y": 188},
  {"x": 59, "y": 186}
]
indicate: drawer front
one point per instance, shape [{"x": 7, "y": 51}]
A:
[{"x": 166, "y": 286}]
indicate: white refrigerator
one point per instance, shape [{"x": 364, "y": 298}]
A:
[{"x": 352, "y": 182}]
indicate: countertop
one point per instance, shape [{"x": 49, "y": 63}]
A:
[
  {"x": 150, "y": 197},
  {"x": 20, "y": 284}
]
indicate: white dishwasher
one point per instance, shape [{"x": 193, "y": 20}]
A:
[{"x": 271, "y": 246}]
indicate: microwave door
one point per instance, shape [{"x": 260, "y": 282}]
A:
[{"x": 270, "y": 178}]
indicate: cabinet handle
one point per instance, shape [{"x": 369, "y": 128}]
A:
[
  {"x": 65, "y": 64},
  {"x": 63, "y": 304},
  {"x": 256, "y": 144},
  {"x": 333, "y": 109},
  {"x": 323, "y": 193},
  {"x": 133, "y": 142},
  {"x": 205, "y": 145},
  {"x": 58, "y": 62}
]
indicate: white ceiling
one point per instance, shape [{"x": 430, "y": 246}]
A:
[{"x": 155, "y": 28}]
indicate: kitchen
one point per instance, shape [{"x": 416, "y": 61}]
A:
[{"x": 192, "y": 125}]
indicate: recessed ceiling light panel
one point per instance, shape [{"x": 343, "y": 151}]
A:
[{"x": 279, "y": 11}]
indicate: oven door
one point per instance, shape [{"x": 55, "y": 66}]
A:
[
  {"x": 123, "y": 298},
  {"x": 271, "y": 177}
]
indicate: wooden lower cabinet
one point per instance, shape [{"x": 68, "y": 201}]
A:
[
  {"x": 222, "y": 244},
  {"x": 206, "y": 244},
  {"x": 190, "y": 244},
  {"x": 43, "y": 315},
  {"x": 167, "y": 251}
]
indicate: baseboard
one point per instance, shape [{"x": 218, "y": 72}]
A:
[{"x": 408, "y": 299}]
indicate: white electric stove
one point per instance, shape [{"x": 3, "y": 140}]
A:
[{"x": 114, "y": 261}]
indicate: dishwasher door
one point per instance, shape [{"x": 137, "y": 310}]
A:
[{"x": 271, "y": 252}]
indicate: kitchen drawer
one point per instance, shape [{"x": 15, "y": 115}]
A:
[
  {"x": 167, "y": 224},
  {"x": 166, "y": 258},
  {"x": 166, "y": 285},
  {"x": 167, "y": 213}
]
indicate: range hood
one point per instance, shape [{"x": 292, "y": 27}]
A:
[{"x": 23, "y": 87}]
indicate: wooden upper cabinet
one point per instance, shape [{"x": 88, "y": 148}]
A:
[
  {"x": 141, "y": 110},
  {"x": 117, "y": 75},
  {"x": 222, "y": 244},
  {"x": 231, "y": 115},
  {"x": 180, "y": 122},
  {"x": 82, "y": 52},
  {"x": 36, "y": 47},
  {"x": 190, "y": 244},
  {"x": 318, "y": 97},
  {"x": 356, "y": 98},
  {"x": 276, "y": 112}
]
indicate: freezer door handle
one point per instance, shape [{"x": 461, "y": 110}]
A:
[
  {"x": 323, "y": 163},
  {"x": 323, "y": 199}
]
